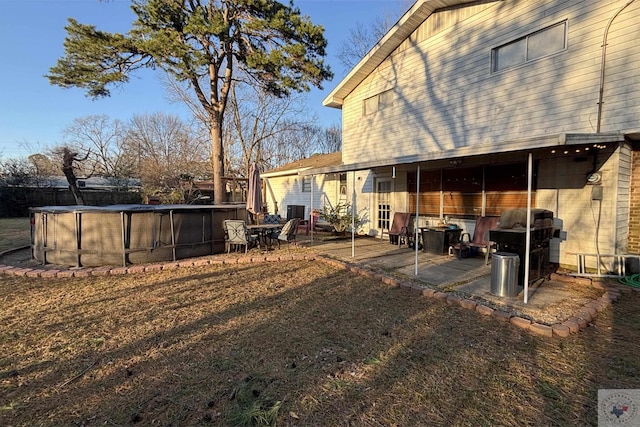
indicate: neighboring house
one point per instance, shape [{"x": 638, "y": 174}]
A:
[
  {"x": 469, "y": 91},
  {"x": 93, "y": 183},
  {"x": 285, "y": 187}
]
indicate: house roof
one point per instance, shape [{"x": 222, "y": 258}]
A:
[
  {"x": 94, "y": 182},
  {"x": 313, "y": 162},
  {"x": 402, "y": 29}
]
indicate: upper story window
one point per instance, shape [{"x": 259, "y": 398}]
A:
[
  {"x": 378, "y": 102},
  {"x": 530, "y": 47},
  {"x": 306, "y": 184}
]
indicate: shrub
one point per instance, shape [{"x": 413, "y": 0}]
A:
[{"x": 340, "y": 217}]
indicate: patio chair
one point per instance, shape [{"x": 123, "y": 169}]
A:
[
  {"x": 271, "y": 219},
  {"x": 411, "y": 233},
  {"x": 236, "y": 234},
  {"x": 287, "y": 233},
  {"x": 480, "y": 238},
  {"x": 313, "y": 220},
  {"x": 399, "y": 226}
]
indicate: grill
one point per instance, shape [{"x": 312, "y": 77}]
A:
[{"x": 510, "y": 236}]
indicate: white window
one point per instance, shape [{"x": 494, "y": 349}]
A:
[
  {"x": 306, "y": 184},
  {"x": 371, "y": 105},
  {"x": 378, "y": 102},
  {"x": 530, "y": 47}
]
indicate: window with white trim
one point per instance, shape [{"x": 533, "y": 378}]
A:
[
  {"x": 378, "y": 102},
  {"x": 530, "y": 47}
]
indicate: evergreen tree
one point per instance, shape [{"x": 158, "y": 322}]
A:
[{"x": 203, "y": 44}]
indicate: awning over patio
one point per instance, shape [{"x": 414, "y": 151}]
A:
[{"x": 528, "y": 144}]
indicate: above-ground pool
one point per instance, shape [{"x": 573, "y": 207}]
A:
[{"x": 128, "y": 234}]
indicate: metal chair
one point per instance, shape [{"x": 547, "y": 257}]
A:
[
  {"x": 313, "y": 220},
  {"x": 480, "y": 237},
  {"x": 271, "y": 219},
  {"x": 287, "y": 233},
  {"x": 398, "y": 231},
  {"x": 237, "y": 234}
]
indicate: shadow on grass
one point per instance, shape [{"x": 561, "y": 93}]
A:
[{"x": 328, "y": 348}]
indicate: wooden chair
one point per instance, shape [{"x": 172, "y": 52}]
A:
[
  {"x": 480, "y": 237},
  {"x": 236, "y": 234},
  {"x": 399, "y": 228}
]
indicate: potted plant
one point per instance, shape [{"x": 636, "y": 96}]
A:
[{"x": 340, "y": 217}]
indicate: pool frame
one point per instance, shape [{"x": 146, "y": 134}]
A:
[{"x": 90, "y": 236}]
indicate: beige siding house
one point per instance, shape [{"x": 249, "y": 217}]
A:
[
  {"x": 285, "y": 186},
  {"x": 469, "y": 91}
]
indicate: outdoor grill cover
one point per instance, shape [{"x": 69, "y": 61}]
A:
[{"x": 517, "y": 218}]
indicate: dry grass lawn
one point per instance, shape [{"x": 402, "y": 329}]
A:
[
  {"x": 14, "y": 233},
  {"x": 293, "y": 343}
]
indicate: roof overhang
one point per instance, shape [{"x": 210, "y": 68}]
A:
[
  {"x": 402, "y": 29},
  {"x": 529, "y": 144},
  {"x": 632, "y": 136},
  {"x": 298, "y": 171}
]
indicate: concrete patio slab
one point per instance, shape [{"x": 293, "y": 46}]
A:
[{"x": 548, "y": 301}]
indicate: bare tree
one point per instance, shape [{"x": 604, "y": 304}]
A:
[
  {"x": 16, "y": 171},
  {"x": 332, "y": 139},
  {"x": 258, "y": 121},
  {"x": 70, "y": 159},
  {"x": 260, "y": 127},
  {"x": 103, "y": 140},
  {"x": 363, "y": 37},
  {"x": 45, "y": 166},
  {"x": 166, "y": 151}
]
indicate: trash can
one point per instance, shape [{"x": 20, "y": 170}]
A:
[{"x": 504, "y": 274}]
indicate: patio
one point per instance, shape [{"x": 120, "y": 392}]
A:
[{"x": 550, "y": 300}]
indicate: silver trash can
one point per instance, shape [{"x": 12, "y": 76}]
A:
[{"x": 504, "y": 274}]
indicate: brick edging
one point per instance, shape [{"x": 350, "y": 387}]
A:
[
  {"x": 574, "y": 324},
  {"x": 142, "y": 268}
]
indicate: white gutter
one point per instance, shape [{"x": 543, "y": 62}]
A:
[{"x": 283, "y": 173}]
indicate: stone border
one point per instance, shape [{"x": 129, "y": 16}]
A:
[
  {"x": 141, "y": 268},
  {"x": 574, "y": 324}
]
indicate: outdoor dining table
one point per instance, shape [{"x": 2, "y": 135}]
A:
[{"x": 263, "y": 231}]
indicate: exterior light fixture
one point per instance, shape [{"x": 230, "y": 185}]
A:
[{"x": 594, "y": 178}]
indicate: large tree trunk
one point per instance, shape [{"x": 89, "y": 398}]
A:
[
  {"x": 67, "y": 168},
  {"x": 217, "y": 160}
]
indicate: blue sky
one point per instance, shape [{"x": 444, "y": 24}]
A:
[{"x": 33, "y": 113}]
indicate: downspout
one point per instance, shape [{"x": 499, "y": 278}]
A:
[
  {"x": 600, "y": 102},
  {"x": 602, "y": 63}
]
